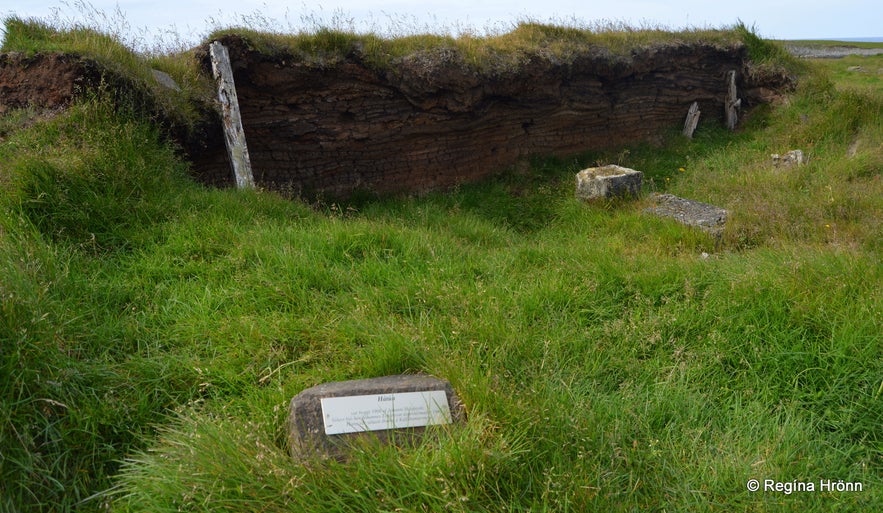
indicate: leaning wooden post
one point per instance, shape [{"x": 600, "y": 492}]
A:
[
  {"x": 732, "y": 103},
  {"x": 234, "y": 135},
  {"x": 692, "y": 120}
]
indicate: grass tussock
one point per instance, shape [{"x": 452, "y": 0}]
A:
[
  {"x": 33, "y": 36},
  {"x": 127, "y": 75},
  {"x": 153, "y": 331}
]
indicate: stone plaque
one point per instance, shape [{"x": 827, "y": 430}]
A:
[
  {"x": 324, "y": 419},
  {"x": 354, "y": 414}
]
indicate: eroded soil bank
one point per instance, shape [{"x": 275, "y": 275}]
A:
[{"x": 429, "y": 120}]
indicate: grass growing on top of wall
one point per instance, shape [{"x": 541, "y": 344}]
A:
[
  {"x": 494, "y": 52},
  {"x": 153, "y": 331},
  {"x": 499, "y": 52}
]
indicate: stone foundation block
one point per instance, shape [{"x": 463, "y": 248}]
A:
[
  {"x": 708, "y": 218},
  {"x": 608, "y": 182}
]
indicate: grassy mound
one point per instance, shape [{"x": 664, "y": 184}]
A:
[{"x": 153, "y": 331}]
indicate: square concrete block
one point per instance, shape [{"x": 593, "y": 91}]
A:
[{"x": 608, "y": 182}]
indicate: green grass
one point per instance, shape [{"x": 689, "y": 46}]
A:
[
  {"x": 864, "y": 73},
  {"x": 153, "y": 331}
]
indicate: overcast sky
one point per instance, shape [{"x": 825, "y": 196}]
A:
[{"x": 151, "y": 20}]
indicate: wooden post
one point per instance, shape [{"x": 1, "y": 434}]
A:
[
  {"x": 234, "y": 135},
  {"x": 732, "y": 103},
  {"x": 692, "y": 120}
]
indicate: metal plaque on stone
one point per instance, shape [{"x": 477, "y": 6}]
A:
[{"x": 375, "y": 412}]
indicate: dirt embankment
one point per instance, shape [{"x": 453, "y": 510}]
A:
[
  {"x": 46, "y": 81},
  {"x": 430, "y": 120},
  {"x": 51, "y": 81}
]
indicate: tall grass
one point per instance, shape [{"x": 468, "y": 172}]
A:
[
  {"x": 152, "y": 331},
  {"x": 70, "y": 407}
]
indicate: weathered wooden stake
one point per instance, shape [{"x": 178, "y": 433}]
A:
[
  {"x": 234, "y": 134},
  {"x": 692, "y": 120},
  {"x": 732, "y": 102}
]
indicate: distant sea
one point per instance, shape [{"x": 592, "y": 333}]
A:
[{"x": 856, "y": 39}]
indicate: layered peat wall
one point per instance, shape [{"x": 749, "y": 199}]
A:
[{"x": 430, "y": 120}]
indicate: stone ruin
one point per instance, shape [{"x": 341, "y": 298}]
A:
[
  {"x": 608, "y": 182},
  {"x": 704, "y": 216}
]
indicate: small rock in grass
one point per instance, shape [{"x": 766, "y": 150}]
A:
[
  {"x": 708, "y": 218},
  {"x": 792, "y": 158}
]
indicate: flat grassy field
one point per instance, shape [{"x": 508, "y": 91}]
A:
[
  {"x": 856, "y": 72},
  {"x": 153, "y": 330}
]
